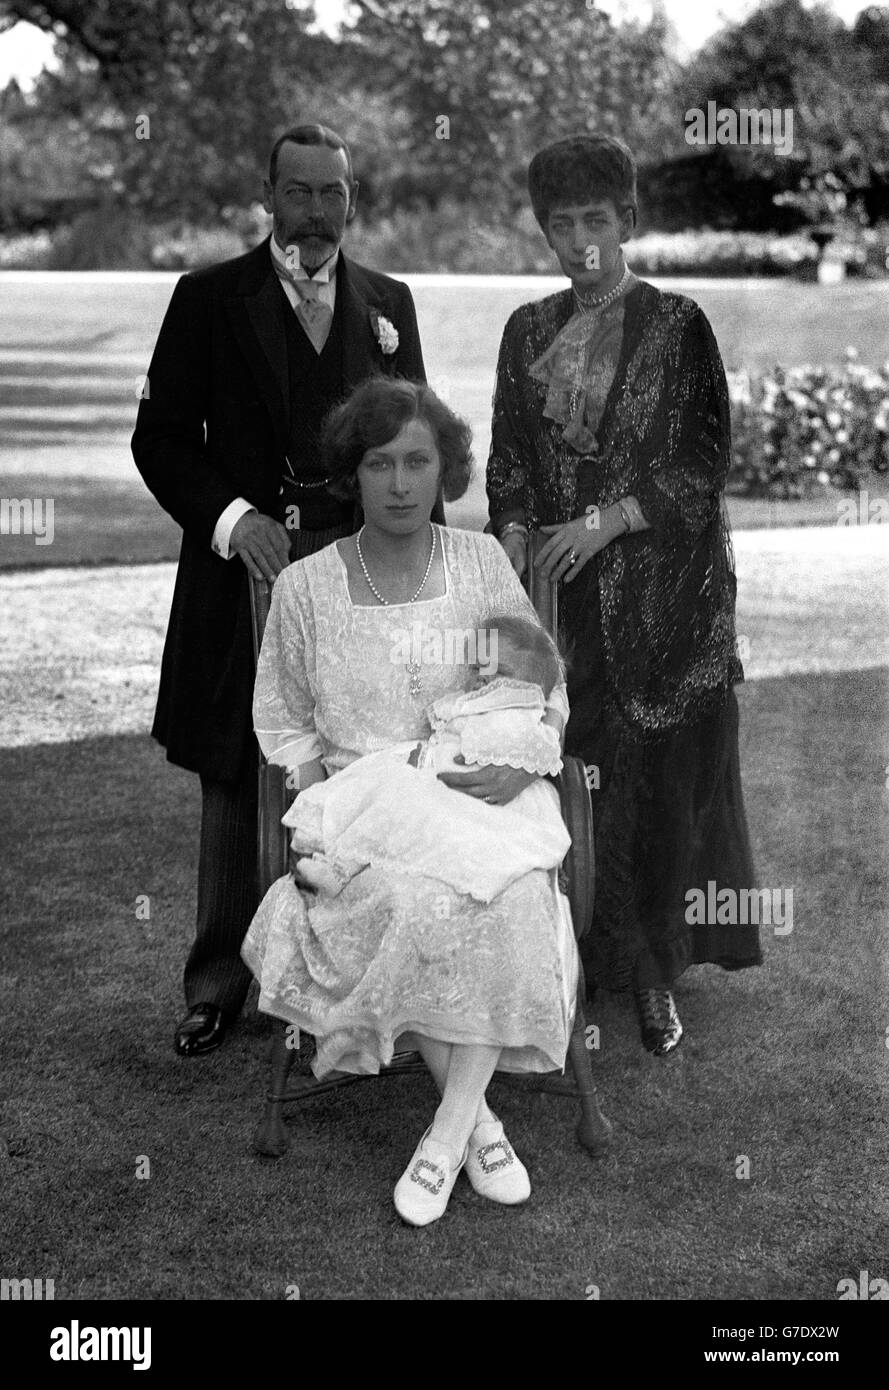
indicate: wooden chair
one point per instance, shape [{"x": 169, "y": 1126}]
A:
[{"x": 577, "y": 877}]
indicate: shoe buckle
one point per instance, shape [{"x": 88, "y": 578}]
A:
[
  {"x": 504, "y": 1162},
  {"x": 433, "y": 1187}
]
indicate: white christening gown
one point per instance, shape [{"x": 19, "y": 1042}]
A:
[{"x": 381, "y": 811}]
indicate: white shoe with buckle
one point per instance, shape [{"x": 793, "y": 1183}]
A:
[
  {"x": 493, "y": 1168},
  {"x": 423, "y": 1190}
]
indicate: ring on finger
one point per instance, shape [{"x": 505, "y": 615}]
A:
[{"x": 572, "y": 556}]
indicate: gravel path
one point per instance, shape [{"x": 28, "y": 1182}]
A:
[{"x": 80, "y": 648}]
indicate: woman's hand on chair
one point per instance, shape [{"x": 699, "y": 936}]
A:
[
  {"x": 572, "y": 543},
  {"x": 496, "y": 785}
]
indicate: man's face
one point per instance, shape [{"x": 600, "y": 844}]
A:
[
  {"x": 311, "y": 202},
  {"x": 587, "y": 239}
]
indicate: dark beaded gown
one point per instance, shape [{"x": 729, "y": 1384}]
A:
[{"x": 648, "y": 625}]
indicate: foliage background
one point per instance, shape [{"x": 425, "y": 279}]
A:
[{"x": 217, "y": 81}]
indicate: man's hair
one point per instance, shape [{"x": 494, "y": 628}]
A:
[
  {"x": 541, "y": 662},
  {"x": 581, "y": 169},
  {"x": 374, "y": 414},
  {"x": 308, "y": 135}
]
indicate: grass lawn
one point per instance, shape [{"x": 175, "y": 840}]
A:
[{"x": 785, "y": 1065}]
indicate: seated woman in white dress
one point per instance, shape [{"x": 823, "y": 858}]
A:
[
  {"x": 391, "y": 809},
  {"x": 399, "y": 958}
]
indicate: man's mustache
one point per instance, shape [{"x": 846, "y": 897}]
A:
[{"x": 323, "y": 231}]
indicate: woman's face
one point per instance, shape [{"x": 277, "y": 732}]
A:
[
  {"x": 587, "y": 239},
  {"x": 399, "y": 480}
]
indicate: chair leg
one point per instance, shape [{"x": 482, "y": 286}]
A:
[
  {"x": 593, "y": 1131},
  {"x": 271, "y": 1137}
]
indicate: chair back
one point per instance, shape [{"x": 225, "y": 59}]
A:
[
  {"x": 274, "y": 794},
  {"x": 578, "y": 869},
  {"x": 543, "y": 593},
  {"x": 260, "y": 603}
]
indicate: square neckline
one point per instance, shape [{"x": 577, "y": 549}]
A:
[{"x": 410, "y": 603}]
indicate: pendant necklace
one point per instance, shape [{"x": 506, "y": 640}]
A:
[{"x": 413, "y": 667}]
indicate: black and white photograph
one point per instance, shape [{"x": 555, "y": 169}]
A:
[{"x": 444, "y": 676}]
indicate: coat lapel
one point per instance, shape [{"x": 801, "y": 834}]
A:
[
  {"x": 256, "y": 314},
  {"x": 257, "y": 319},
  {"x": 361, "y": 352}
]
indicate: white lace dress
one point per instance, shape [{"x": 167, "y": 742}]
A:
[{"x": 396, "y": 951}]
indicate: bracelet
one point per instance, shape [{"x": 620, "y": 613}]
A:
[
  {"x": 625, "y": 515},
  {"x": 512, "y": 526}
]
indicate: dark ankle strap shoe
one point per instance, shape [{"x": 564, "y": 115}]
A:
[{"x": 659, "y": 1022}]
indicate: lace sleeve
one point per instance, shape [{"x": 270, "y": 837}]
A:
[
  {"x": 503, "y": 588},
  {"x": 558, "y": 701},
  {"x": 283, "y": 703},
  {"x": 532, "y": 746}
]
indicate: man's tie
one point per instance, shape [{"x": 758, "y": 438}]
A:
[{"x": 315, "y": 316}]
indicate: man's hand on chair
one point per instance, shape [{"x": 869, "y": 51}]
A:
[{"x": 262, "y": 543}]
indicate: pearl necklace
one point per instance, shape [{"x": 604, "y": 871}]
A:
[
  {"x": 372, "y": 586},
  {"x": 604, "y": 300},
  {"x": 412, "y": 666}
]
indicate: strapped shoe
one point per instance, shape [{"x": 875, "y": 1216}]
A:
[
  {"x": 423, "y": 1190},
  {"x": 659, "y": 1022},
  {"x": 493, "y": 1168}
]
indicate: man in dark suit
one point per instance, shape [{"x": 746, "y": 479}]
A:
[{"x": 250, "y": 356}]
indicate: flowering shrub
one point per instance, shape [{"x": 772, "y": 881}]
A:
[
  {"x": 863, "y": 251},
  {"x": 801, "y": 431},
  {"x": 29, "y": 251},
  {"x": 707, "y": 252}
]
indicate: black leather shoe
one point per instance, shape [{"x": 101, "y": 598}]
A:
[
  {"x": 659, "y": 1022},
  {"x": 202, "y": 1029}
]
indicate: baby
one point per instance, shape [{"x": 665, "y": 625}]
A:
[{"x": 389, "y": 809}]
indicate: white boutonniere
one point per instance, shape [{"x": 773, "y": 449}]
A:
[{"x": 385, "y": 332}]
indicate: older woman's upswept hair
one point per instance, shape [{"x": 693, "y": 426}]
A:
[
  {"x": 374, "y": 413},
  {"x": 579, "y": 169}
]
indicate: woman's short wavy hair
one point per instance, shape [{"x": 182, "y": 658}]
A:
[
  {"x": 374, "y": 413},
  {"x": 581, "y": 169}
]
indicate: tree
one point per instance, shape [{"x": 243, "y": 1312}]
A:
[
  {"x": 485, "y": 83},
  {"x": 184, "y": 98},
  {"x": 834, "y": 79}
]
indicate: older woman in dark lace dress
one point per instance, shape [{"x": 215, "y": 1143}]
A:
[{"x": 611, "y": 436}]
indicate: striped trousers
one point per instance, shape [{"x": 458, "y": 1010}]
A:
[{"x": 228, "y": 892}]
